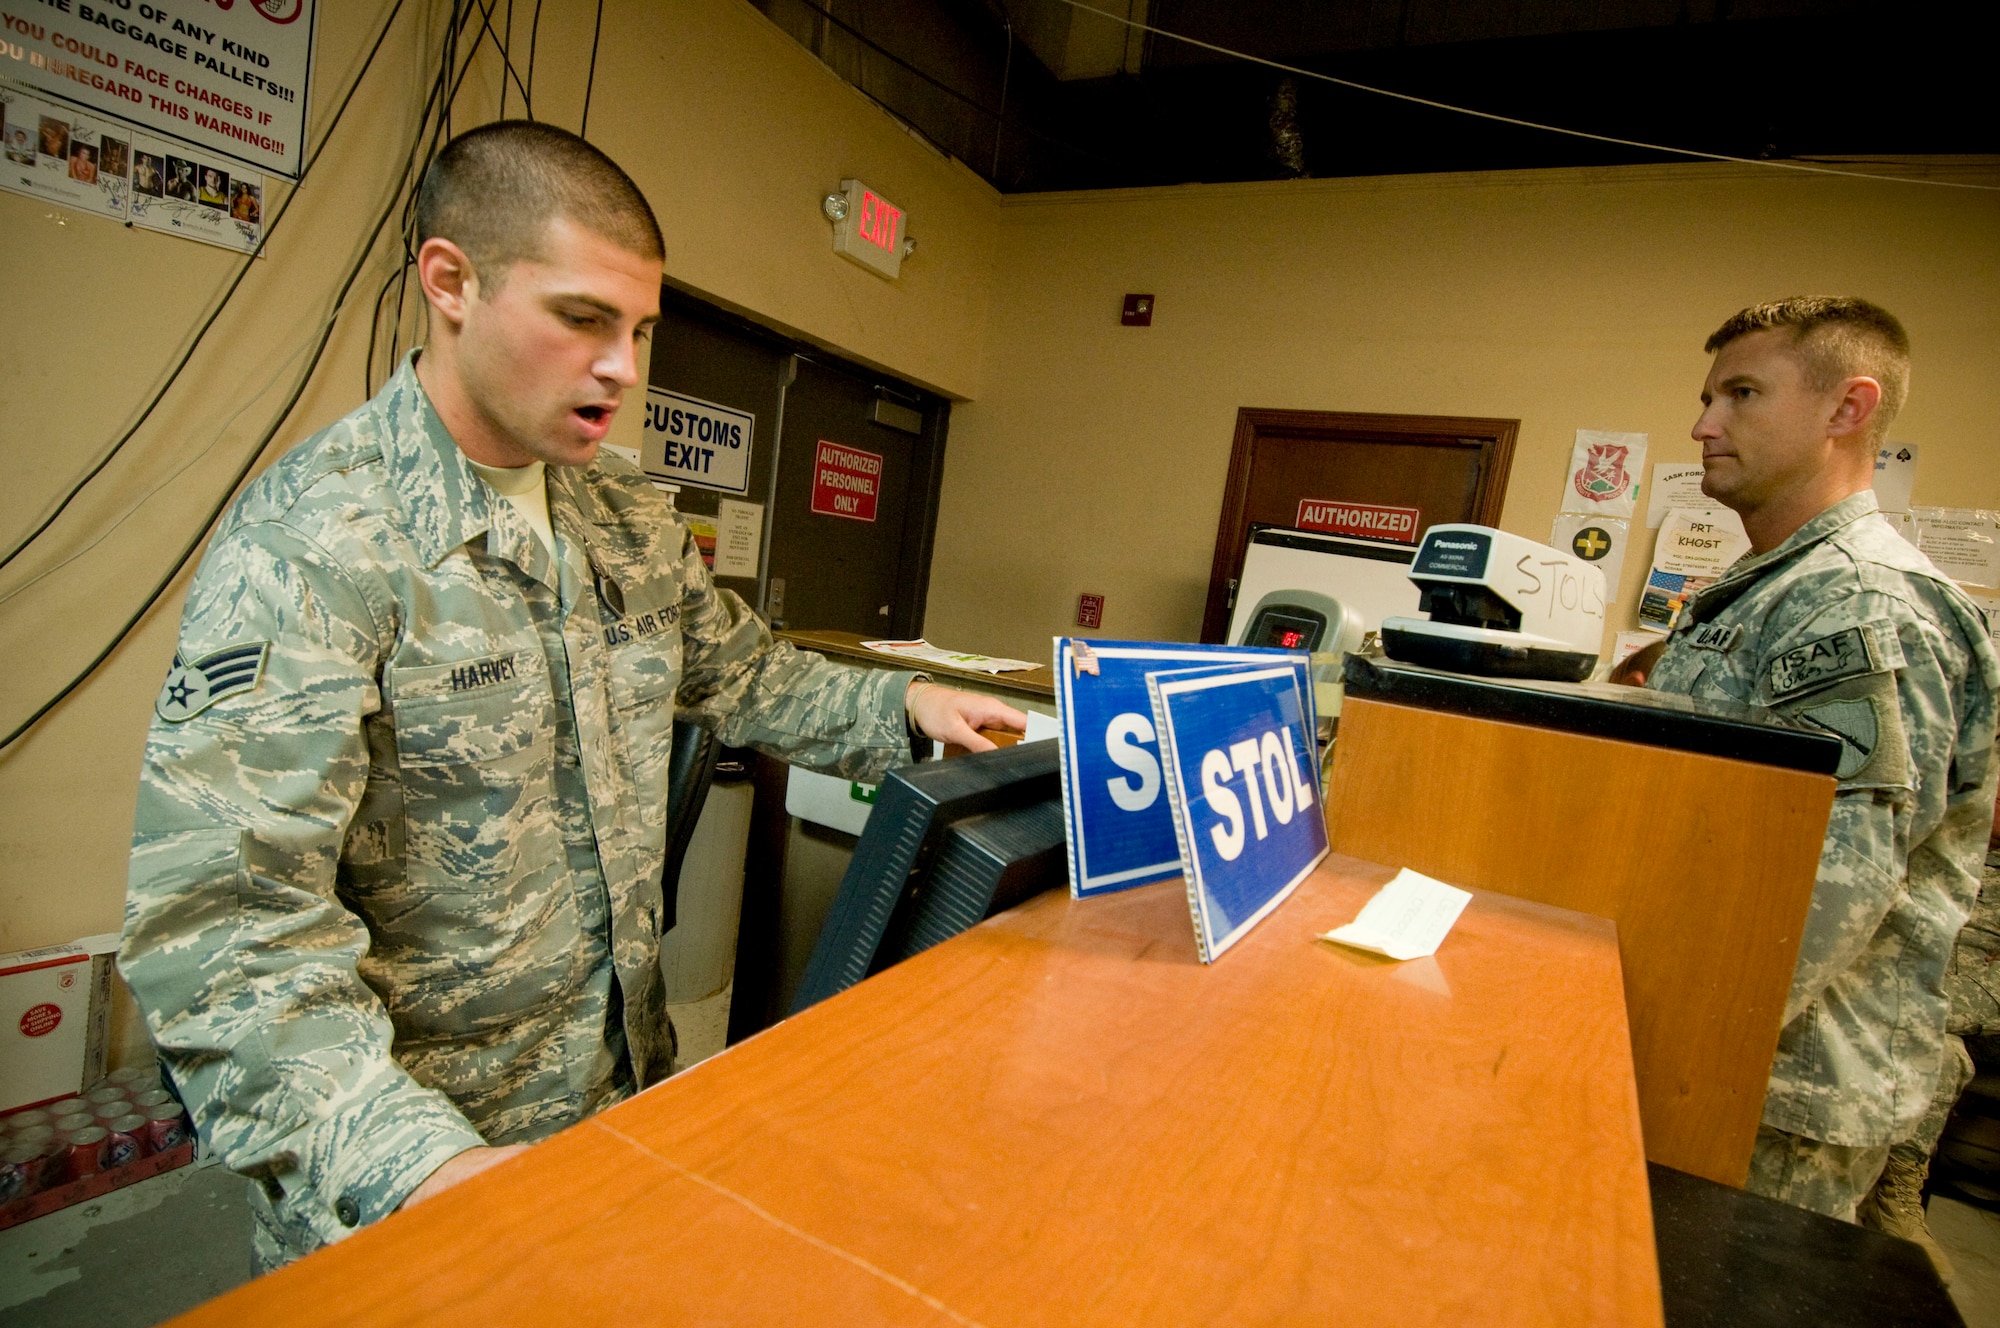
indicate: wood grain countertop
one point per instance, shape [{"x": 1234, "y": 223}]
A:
[
  {"x": 1061, "y": 1117},
  {"x": 1039, "y": 682}
]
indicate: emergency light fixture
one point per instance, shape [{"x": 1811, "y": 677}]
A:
[{"x": 868, "y": 228}]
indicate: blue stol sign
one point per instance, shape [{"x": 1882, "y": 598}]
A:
[
  {"x": 1120, "y": 831},
  {"x": 1239, "y": 751}
]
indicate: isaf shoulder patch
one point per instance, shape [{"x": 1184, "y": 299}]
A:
[
  {"x": 193, "y": 687},
  {"x": 1815, "y": 664}
]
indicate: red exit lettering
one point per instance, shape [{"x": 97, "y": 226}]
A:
[{"x": 880, "y": 220}]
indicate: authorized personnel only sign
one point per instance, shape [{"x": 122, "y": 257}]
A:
[
  {"x": 846, "y": 481},
  {"x": 691, "y": 441},
  {"x": 228, "y": 77},
  {"x": 1368, "y": 520}
]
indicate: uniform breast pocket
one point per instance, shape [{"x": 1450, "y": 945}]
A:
[{"x": 475, "y": 749}]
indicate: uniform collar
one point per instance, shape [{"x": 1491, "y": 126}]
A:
[
  {"x": 1745, "y": 571},
  {"x": 444, "y": 501}
]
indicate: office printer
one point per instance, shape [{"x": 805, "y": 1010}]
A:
[{"x": 1502, "y": 606}]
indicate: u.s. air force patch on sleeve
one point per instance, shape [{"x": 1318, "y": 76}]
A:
[{"x": 193, "y": 687}]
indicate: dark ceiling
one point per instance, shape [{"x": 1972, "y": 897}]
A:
[{"x": 1035, "y": 96}]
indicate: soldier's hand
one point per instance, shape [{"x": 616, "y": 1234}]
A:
[
  {"x": 463, "y": 1167},
  {"x": 1638, "y": 664},
  {"x": 954, "y": 716}
]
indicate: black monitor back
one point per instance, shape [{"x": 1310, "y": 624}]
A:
[{"x": 948, "y": 843}]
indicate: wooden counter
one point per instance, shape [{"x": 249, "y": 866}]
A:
[
  {"x": 846, "y": 646},
  {"x": 1062, "y": 1118}
]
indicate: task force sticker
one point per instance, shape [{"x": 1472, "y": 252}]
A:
[
  {"x": 1817, "y": 663},
  {"x": 193, "y": 687},
  {"x": 1853, "y": 722},
  {"x": 1716, "y": 637}
]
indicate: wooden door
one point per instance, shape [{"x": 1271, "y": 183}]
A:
[{"x": 1448, "y": 469}]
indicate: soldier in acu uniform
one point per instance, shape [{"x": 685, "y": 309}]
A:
[
  {"x": 394, "y": 908},
  {"x": 1833, "y": 619}
]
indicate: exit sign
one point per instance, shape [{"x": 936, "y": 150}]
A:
[{"x": 873, "y": 230}]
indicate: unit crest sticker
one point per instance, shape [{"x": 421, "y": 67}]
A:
[{"x": 193, "y": 687}]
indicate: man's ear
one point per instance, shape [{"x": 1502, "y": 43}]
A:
[
  {"x": 449, "y": 282},
  {"x": 1854, "y": 408}
]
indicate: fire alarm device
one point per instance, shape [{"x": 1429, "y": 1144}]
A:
[
  {"x": 1138, "y": 311},
  {"x": 870, "y": 229},
  {"x": 1090, "y": 610}
]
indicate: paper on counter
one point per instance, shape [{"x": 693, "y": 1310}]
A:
[
  {"x": 1407, "y": 919},
  {"x": 930, "y": 654}
]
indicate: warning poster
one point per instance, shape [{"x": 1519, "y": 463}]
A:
[
  {"x": 846, "y": 481},
  {"x": 231, "y": 78}
]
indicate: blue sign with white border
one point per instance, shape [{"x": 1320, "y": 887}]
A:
[
  {"x": 1120, "y": 830},
  {"x": 1240, "y": 772}
]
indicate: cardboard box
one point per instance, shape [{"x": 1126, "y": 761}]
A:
[{"x": 55, "y": 1008}]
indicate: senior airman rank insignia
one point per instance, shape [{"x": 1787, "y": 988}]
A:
[{"x": 193, "y": 687}]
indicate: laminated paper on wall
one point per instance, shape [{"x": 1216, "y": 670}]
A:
[{"x": 1604, "y": 473}]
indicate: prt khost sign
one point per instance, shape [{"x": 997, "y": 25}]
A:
[{"x": 846, "y": 482}]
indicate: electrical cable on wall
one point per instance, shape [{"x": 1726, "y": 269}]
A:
[
  {"x": 444, "y": 81},
  {"x": 249, "y": 260},
  {"x": 590, "y": 81},
  {"x": 1513, "y": 120}
]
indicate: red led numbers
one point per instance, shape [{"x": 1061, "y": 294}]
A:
[{"x": 880, "y": 220}]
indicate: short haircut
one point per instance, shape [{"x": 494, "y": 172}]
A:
[
  {"x": 494, "y": 190},
  {"x": 1836, "y": 337}
]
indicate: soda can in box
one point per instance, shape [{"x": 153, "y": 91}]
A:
[
  {"x": 128, "y": 1076},
  {"x": 79, "y": 1120},
  {"x": 106, "y": 1112},
  {"x": 127, "y": 1142},
  {"x": 151, "y": 1098},
  {"x": 104, "y": 1093},
  {"x": 20, "y": 1170},
  {"x": 69, "y": 1106},
  {"x": 166, "y": 1127},
  {"x": 32, "y": 1134},
  {"x": 26, "y": 1120},
  {"x": 87, "y": 1148}
]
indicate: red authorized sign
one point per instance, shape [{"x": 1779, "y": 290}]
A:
[
  {"x": 1368, "y": 520},
  {"x": 846, "y": 482}
]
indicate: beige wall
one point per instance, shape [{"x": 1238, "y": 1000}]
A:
[
  {"x": 732, "y": 130},
  {"x": 1089, "y": 457},
  {"x": 1094, "y": 455}
]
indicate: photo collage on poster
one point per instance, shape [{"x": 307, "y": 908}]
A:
[{"x": 78, "y": 160}]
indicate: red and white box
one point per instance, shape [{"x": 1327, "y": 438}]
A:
[{"x": 55, "y": 1006}]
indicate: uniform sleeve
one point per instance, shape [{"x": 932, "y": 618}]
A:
[
  {"x": 240, "y": 955},
  {"x": 756, "y": 691},
  {"x": 1869, "y": 673}
]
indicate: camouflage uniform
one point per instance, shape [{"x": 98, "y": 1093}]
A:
[
  {"x": 1847, "y": 627},
  {"x": 395, "y": 877}
]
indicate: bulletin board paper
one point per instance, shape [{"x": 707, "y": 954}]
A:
[
  {"x": 1895, "y": 474},
  {"x": 1604, "y": 473},
  {"x": 1598, "y": 540},
  {"x": 1962, "y": 542}
]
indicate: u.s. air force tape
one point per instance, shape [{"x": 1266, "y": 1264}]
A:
[{"x": 193, "y": 687}]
